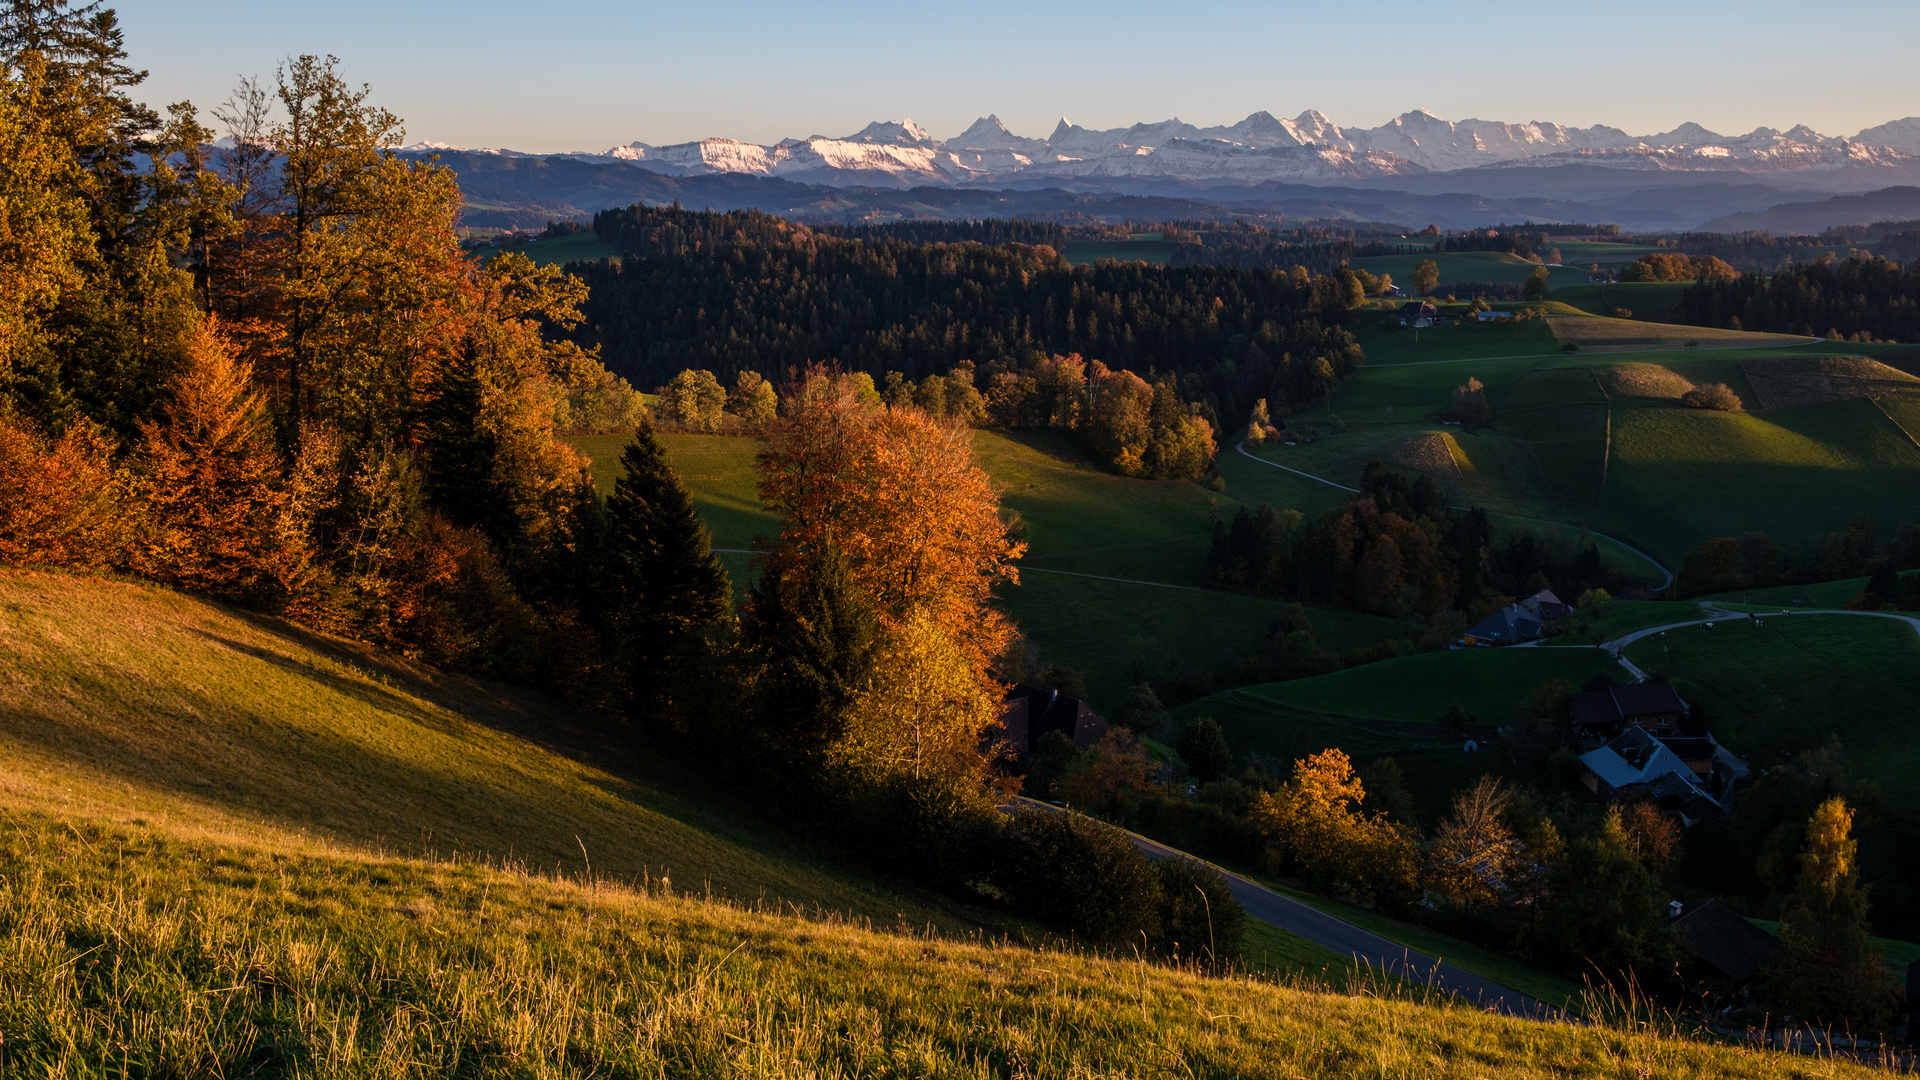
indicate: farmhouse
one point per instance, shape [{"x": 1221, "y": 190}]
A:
[
  {"x": 1419, "y": 313},
  {"x": 1545, "y": 606},
  {"x": 1508, "y": 626},
  {"x": 1601, "y": 277},
  {"x": 1727, "y": 946},
  {"x": 1654, "y": 706},
  {"x": 1635, "y": 763},
  {"x": 1030, "y": 712}
]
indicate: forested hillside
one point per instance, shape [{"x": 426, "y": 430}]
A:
[{"x": 748, "y": 291}]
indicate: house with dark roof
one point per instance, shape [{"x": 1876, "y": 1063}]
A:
[
  {"x": 1635, "y": 763},
  {"x": 1028, "y": 713},
  {"x": 1508, "y": 626},
  {"x": 1545, "y": 606},
  {"x": 1725, "y": 944},
  {"x": 1419, "y": 313},
  {"x": 1655, "y": 706}
]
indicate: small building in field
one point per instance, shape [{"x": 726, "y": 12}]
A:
[
  {"x": 1419, "y": 313},
  {"x": 1029, "y": 712},
  {"x": 1654, "y": 706},
  {"x": 1393, "y": 291},
  {"x": 1492, "y": 316},
  {"x": 1510, "y": 625},
  {"x": 1601, "y": 277}
]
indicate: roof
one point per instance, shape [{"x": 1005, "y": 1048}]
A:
[
  {"x": 1626, "y": 702},
  {"x": 1723, "y": 940},
  {"x": 1635, "y": 757},
  {"x": 1644, "y": 698},
  {"x": 1029, "y": 712},
  {"x": 1509, "y": 624}
]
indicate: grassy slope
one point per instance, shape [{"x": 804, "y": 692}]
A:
[
  {"x": 1675, "y": 478},
  {"x": 137, "y": 954},
  {"x": 1780, "y": 688},
  {"x": 1458, "y": 266},
  {"x": 1491, "y": 683},
  {"x": 1596, "y": 625},
  {"x": 1081, "y": 520},
  {"x": 127, "y": 704},
  {"x": 580, "y": 247}
]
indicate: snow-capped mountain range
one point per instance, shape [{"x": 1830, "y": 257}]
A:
[{"x": 1309, "y": 148}]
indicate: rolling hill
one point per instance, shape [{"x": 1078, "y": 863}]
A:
[{"x": 229, "y": 846}]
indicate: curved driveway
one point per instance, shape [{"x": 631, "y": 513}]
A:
[{"x": 1618, "y": 646}]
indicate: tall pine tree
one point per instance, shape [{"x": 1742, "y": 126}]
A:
[
  {"x": 667, "y": 591},
  {"x": 819, "y": 636}
]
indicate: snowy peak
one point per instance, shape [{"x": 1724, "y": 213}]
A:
[
  {"x": 899, "y": 132},
  {"x": 1260, "y": 148}
]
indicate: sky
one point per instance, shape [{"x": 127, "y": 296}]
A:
[{"x": 584, "y": 75}]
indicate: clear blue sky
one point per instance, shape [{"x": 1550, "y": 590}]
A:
[{"x": 587, "y": 74}]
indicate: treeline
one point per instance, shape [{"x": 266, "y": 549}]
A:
[
  {"x": 1675, "y": 266},
  {"x": 1397, "y": 549},
  {"x": 269, "y": 373},
  {"x": 1518, "y": 242},
  {"x": 746, "y": 291},
  {"x": 1760, "y": 251},
  {"x": 984, "y": 231},
  {"x": 1854, "y": 299},
  {"x": 1754, "y": 561}
]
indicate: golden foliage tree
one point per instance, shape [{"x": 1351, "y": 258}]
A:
[
  {"x": 1830, "y": 972},
  {"x": 44, "y": 227},
  {"x": 1474, "y": 854},
  {"x": 60, "y": 501},
  {"x": 210, "y": 483},
  {"x": 1315, "y": 822},
  {"x": 899, "y": 498}
]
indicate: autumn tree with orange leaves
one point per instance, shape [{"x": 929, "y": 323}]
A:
[{"x": 896, "y": 498}]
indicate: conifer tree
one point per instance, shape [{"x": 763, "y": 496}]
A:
[
  {"x": 668, "y": 589},
  {"x": 820, "y": 638},
  {"x": 211, "y": 478},
  {"x": 1203, "y": 746}
]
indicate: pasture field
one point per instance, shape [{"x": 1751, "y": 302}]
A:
[
  {"x": 1819, "y": 594},
  {"x": 131, "y": 707},
  {"x": 1606, "y": 253},
  {"x": 1608, "y": 621},
  {"x": 1595, "y": 439},
  {"x": 1083, "y": 523},
  {"x": 1490, "y": 683},
  {"x": 1773, "y": 690},
  {"x": 560, "y": 250},
  {"x": 1648, "y": 300},
  {"x": 1457, "y": 266}
]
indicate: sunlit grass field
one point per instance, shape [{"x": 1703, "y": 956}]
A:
[
  {"x": 130, "y": 706},
  {"x": 131, "y": 953}
]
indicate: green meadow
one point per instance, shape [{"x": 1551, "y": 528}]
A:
[
  {"x": 560, "y": 250},
  {"x": 1143, "y": 247},
  {"x": 1458, "y": 266},
  {"x": 1490, "y": 683},
  {"x": 1773, "y": 690}
]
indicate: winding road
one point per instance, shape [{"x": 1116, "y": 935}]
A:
[
  {"x": 1617, "y": 648},
  {"x": 1303, "y": 920}
]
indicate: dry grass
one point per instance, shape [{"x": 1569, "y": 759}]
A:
[
  {"x": 123, "y": 703},
  {"x": 1599, "y": 333},
  {"x": 1430, "y": 452},
  {"x": 1655, "y": 381},
  {"x": 130, "y": 954},
  {"x": 1790, "y": 382}
]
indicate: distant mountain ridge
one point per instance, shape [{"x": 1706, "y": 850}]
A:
[{"x": 1310, "y": 148}]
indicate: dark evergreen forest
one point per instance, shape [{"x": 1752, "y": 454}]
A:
[
  {"x": 1854, "y": 299},
  {"x": 730, "y": 292}
]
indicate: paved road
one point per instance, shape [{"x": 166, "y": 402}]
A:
[
  {"x": 1716, "y": 613},
  {"x": 1651, "y": 561},
  {"x": 1347, "y": 939}
]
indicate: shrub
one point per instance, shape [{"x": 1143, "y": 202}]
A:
[
  {"x": 1711, "y": 396},
  {"x": 1080, "y": 875},
  {"x": 1199, "y": 915},
  {"x": 1204, "y": 748}
]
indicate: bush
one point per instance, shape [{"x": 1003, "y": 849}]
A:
[
  {"x": 1204, "y": 748},
  {"x": 1199, "y": 915},
  {"x": 1711, "y": 396},
  {"x": 1080, "y": 875}
]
